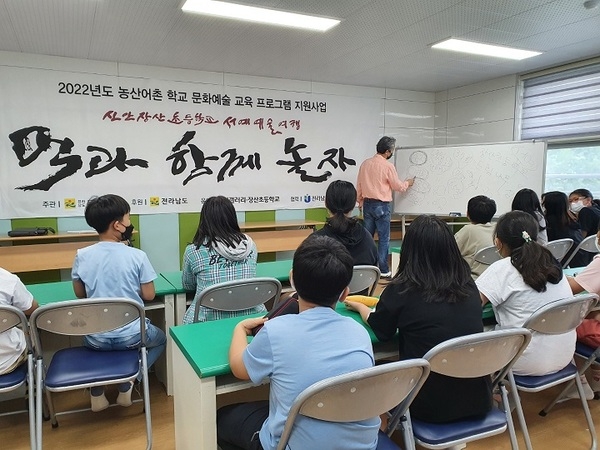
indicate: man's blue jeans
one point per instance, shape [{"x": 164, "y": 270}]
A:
[
  {"x": 155, "y": 343},
  {"x": 377, "y": 216}
]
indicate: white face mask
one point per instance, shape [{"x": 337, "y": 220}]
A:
[
  {"x": 576, "y": 206},
  {"x": 598, "y": 244}
]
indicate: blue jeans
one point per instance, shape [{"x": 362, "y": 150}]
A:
[
  {"x": 377, "y": 216},
  {"x": 155, "y": 343}
]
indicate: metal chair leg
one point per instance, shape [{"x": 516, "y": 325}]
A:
[{"x": 515, "y": 394}]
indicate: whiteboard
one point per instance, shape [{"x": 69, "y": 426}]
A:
[{"x": 448, "y": 176}]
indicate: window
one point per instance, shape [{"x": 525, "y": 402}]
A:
[
  {"x": 573, "y": 166},
  {"x": 562, "y": 107},
  {"x": 562, "y": 104}
]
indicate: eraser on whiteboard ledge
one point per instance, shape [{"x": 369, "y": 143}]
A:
[{"x": 455, "y": 214}]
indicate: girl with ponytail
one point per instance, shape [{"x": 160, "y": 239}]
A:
[
  {"x": 340, "y": 200},
  {"x": 526, "y": 278}
]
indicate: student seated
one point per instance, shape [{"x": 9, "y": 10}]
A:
[
  {"x": 111, "y": 268},
  {"x": 587, "y": 210},
  {"x": 562, "y": 224},
  {"x": 589, "y": 331},
  {"x": 13, "y": 350},
  {"x": 527, "y": 278},
  {"x": 431, "y": 299},
  {"x": 478, "y": 234},
  {"x": 527, "y": 200},
  {"x": 296, "y": 350},
  {"x": 340, "y": 200},
  {"x": 219, "y": 252}
]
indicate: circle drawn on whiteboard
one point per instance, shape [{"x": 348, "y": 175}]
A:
[
  {"x": 417, "y": 172},
  {"x": 418, "y": 158},
  {"x": 420, "y": 186},
  {"x": 454, "y": 188}
]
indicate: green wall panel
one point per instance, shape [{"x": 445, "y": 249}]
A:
[
  {"x": 260, "y": 216},
  {"x": 188, "y": 224},
  {"x": 319, "y": 214},
  {"x": 35, "y": 222}
]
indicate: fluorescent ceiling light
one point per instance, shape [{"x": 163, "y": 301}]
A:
[
  {"x": 476, "y": 48},
  {"x": 260, "y": 15}
]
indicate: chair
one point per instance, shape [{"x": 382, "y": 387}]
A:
[
  {"x": 489, "y": 353},
  {"x": 560, "y": 247},
  {"x": 487, "y": 255},
  {"x": 587, "y": 245},
  {"x": 359, "y": 395},
  {"x": 11, "y": 317},
  {"x": 80, "y": 367},
  {"x": 238, "y": 294},
  {"x": 364, "y": 277},
  {"x": 557, "y": 317}
]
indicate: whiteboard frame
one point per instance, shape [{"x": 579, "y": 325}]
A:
[{"x": 396, "y": 194}]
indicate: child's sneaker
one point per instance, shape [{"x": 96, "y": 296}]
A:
[
  {"x": 99, "y": 402},
  {"x": 124, "y": 398},
  {"x": 572, "y": 393}
]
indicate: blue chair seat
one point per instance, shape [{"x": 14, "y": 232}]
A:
[
  {"x": 585, "y": 350},
  {"x": 542, "y": 382},
  {"x": 439, "y": 433},
  {"x": 15, "y": 378},
  {"x": 385, "y": 443},
  {"x": 81, "y": 365}
]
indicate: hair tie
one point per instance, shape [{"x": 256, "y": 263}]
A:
[{"x": 526, "y": 236}]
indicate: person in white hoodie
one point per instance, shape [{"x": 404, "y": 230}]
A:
[{"x": 219, "y": 252}]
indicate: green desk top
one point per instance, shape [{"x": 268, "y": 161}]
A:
[
  {"x": 59, "y": 291},
  {"x": 276, "y": 269},
  {"x": 206, "y": 344}
]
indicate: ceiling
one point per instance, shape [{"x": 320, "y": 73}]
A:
[{"x": 382, "y": 43}]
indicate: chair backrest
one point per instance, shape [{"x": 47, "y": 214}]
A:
[
  {"x": 364, "y": 277},
  {"x": 561, "y": 316},
  {"x": 86, "y": 316},
  {"x": 11, "y": 317},
  {"x": 358, "y": 395},
  {"x": 238, "y": 294},
  {"x": 587, "y": 245},
  {"x": 560, "y": 247},
  {"x": 487, "y": 255},
  {"x": 480, "y": 354}
]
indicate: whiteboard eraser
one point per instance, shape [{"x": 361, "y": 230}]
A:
[{"x": 455, "y": 214}]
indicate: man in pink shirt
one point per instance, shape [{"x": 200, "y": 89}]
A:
[{"x": 377, "y": 178}]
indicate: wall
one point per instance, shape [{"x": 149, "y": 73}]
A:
[
  {"x": 481, "y": 112},
  {"x": 406, "y": 115}
]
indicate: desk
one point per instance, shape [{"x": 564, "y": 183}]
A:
[
  {"x": 280, "y": 240},
  {"x": 46, "y": 293},
  {"x": 276, "y": 269},
  {"x": 200, "y": 353},
  {"x": 34, "y": 257}
]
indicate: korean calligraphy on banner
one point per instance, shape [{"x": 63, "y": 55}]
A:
[{"x": 166, "y": 146}]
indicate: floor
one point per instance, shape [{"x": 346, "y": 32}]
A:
[{"x": 119, "y": 428}]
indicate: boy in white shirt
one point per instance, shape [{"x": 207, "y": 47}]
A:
[{"x": 13, "y": 292}]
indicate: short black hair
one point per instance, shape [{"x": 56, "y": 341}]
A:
[
  {"x": 101, "y": 211},
  {"x": 322, "y": 269},
  {"x": 386, "y": 143},
  {"x": 481, "y": 209}
]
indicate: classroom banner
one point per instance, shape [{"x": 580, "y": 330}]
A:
[{"x": 166, "y": 146}]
